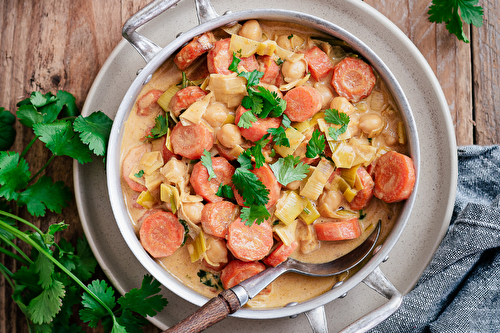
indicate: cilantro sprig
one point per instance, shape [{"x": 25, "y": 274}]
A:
[
  {"x": 454, "y": 12},
  {"x": 206, "y": 161},
  {"x": 335, "y": 117},
  {"x": 289, "y": 169}
]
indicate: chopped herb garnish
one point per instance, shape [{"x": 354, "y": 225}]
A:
[
  {"x": 186, "y": 230},
  {"x": 289, "y": 169},
  {"x": 225, "y": 191},
  {"x": 335, "y": 117},
  {"x": 206, "y": 160},
  {"x": 210, "y": 280},
  {"x": 139, "y": 174},
  {"x": 160, "y": 128},
  {"x": 315, "y": 146}
]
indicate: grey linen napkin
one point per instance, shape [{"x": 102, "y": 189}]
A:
[{"x": 460, "y": 289}]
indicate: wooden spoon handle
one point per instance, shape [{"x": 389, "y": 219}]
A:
[{"x": 212, "y": 312}]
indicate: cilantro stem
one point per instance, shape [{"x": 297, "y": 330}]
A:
[
  {"x": 14, "y": 246},
  {"x": 25, "y": 151},
  {"x": 25, "y": 238},
  {"x": 12, "y": 254},
  {"x": 43, "y": 168},
  {"x": 7, "y": 274},
  {"x": 29, "y": 224}
]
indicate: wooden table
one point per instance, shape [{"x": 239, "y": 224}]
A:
[{"x": 51, "y": 45}]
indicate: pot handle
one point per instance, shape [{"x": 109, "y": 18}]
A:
[
  {"x": 317, "y": 320},
  {"x": 378, "y": 282}
]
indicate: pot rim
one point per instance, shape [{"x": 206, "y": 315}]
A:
[{"x": 114, "y": 157}]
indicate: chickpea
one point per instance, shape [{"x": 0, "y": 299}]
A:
[
  {"x": 329, "y": 202},
  {"x": 326, "y": 93},
  {"x": 192, "y": 211},
  {"x": 371, "y": 124},
  {"x": 216, "y": 250},
  {"x": 216, "y": 114},
  {"x": 293, "y": 70},
  {"x": 294, "y": 185},
  {"x": 342, "y": 104},
  {"x": 284, "y": 42},
  {"x": 229, "y": 136},
  {"x": 251, "y": 29}
]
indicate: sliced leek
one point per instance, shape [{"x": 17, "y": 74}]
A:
[
  {"x": 295, "y": 138},
  {"x": 198, "y": 247},
  {"x": 286, "y": 232},
  {"x": 164, "y": 99},
  {"x": 350, "y": 175},
  {"x": 228, "y": 89},
  {"x": 195, "y": 111},
  {"x": 309, "y": 213},
  {"x": 175, "y": 171},
  {"x": 146, "y": 200},
  {"x": 289, "y": 206},
  {"x": 170, "y": 194},
  {"x": 153, "y": 181},
  {"x": 151, "y": 161},
  {"x": 343, "y": 155},
  {"x": 317, "y": 181},
  {"x": 296, "y": 83}
]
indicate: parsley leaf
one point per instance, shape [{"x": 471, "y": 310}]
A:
[
  {"x": 7, "y": 130},
  {"x": 94, "y": 131},
  {"x": 254, "y": 214},
  {"x": 448, "y": 11},
  {"x": 335, "y": 117},
  {"x": 245, "y": 160},
  {"x": 233, "y": 67},
  {"x": 316, "y": 145},
  {"x": 160, "y": 128},
  {"x": 45, "y": 194},
  {"x": 206, "y": 161},
  {"x": 289, "y": 169}
]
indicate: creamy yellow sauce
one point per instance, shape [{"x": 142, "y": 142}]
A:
[{"x": 289, "y": 287}]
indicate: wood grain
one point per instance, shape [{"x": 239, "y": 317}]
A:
[{"x": 51, "y": 45}]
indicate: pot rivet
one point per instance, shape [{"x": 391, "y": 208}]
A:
[
  {"x": 179, "y": 34},
  {"x": 289, "y": 305},
  {"x": 343, "y": 295},
  {"x": 138, "y": 71},
  {"x": 147, "y": 79},
  {"x": 377, "y": 249},
  {"x": 338, "y": 284},
  {"x": 385, "y": 259}
]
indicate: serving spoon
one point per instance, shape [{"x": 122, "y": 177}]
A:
[{"x": 232, "y": 299}]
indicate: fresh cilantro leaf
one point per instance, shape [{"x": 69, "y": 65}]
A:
[
  {"x": 233, "y": 67},
  {"x": 87, "y": 263},
  {"x": 290, "y": 36},
  {"x": 253, "y": 77},
  {"x": 95, "y": 130},
  {"x": 316, "y": 145},
  {"x": 48, "y": 237},
  {"x": 206, "y": 161},
  {"x": 44, "y": 267},
  {"x": 246, "y": 119},
  {"x": 449, "y": 11},
  {"x": 28, "y": 115},
  {"x": 245, "y": 160},
  {"x": 130, "y": 323},
  {"x": 225, "y": 191},
  {"x": 254, "y": 214},
  {"x": 45, "y": 194},
  {"x": 160, "y": 128},
  {"x": 65, "y": 254},
  {"x": 210, "y": 280},
  {"x": 93, "y": 311},
  {"x": 66, "y": 103},
  {"x": 139, "y": 174},
  {"x": 335, "y": 117},
  {"x": 39, "y": 100},
  {"x": 279, "y": 136},
  {"x": 272, "y": 105},
  {"x": 143, "y": 300},
  {"x": 253, "y": 103},
  {"x": 286, "y": 122},
  {"x": 45, "y": 306},
  {"x": 279, "y": 61},
  {"x": 289, "y": 169},
  {"x": 7, "y": 131},
  {"x": 250, "y": 187},
  {"x": 61, "y": 139},
  {"x": 256, "y": 151},
  {"x": 14, "y": 174},
  {"x": 186, "y": 231}
]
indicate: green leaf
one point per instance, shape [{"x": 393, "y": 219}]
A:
[
  {"x": 28, "y": 115},
  {"x": 279, "y": 136},
  {"x": 160, "y": 128},
  {"x": 254, "y": 214},
  {"x": 144, "y": 300},
  {"x": 66, "y": 103},
  {"x": 335, "y": 117},
  {"x": 14, "y": 174},
  {"x": 256, "y": 151},
  {"x": 87, "y": 263},
  {"x": 246, "y": 119},
  {"x": 316, "y": 145},
  {"x": 40, "y": 100},
  {"x": 44, "y": 267},
  {"x": 225, "y": 191},
  {"x": 233, "y": 67},
  {"x": 61, "y": 139},
  {"x": 93, "y": 311},
  {"x": 206, "y": 161},
  {"x": 44, "y": 307},
  {"x": 471, "y": 13},
  {"x": 131, "y": 323},
  {"x": 289, "y": 169},
  {"x": 7, "y": 130},
  {"x": 245, "y": 160},
  {"x": 250, "y": 187},
  {"x": 45, "y": 194},
  {"x": 95, "y": 130},
  {"x": 253, "y": 77},
  {"x": 252, "y": 102}
]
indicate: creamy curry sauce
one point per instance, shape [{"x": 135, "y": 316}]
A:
[{"x": 289, "y": 287}]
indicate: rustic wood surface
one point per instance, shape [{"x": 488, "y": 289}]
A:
[{"x": 51, "y": 45}]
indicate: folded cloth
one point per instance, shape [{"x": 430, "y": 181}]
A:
[{"x": 460, "y": 289}]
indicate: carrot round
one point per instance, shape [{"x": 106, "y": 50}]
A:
[
  {"x": 147, "y": 104},
  {"x": 249, "y": 243},
  {"x": 161, "y": 234},
  {"x": 208, "y": 189},
  {"x": 216, "y": 217},
  {"x": 237, "y": 271},
  {"x": 302, "y": 103},
  {"x": 270, "y": 68},
  {"x": 220, "y": 58},
  {"x": 364, "y": 196},
  {"x": 318, "y": 62},
  {"x": 353, "y": 79},
  {"x": 280, "y": 254},
  {"x": 394, "y": 176},
  {"x": 195, "y": 48},
  {"x": 259, "y": 128},
  {"x": 190, "y": 141},
  {"x": 335, "y": 230},
  {"x": 130, "y": 161},
  {"x": 267, "y": 177},
  {"x": 184, "y": 98}
]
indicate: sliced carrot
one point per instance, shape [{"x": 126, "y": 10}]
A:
[
  {"x": 216, "y": 217},
  {"x": 190, "y": 141},
  {"x": 249, "y": 63},
  {"x": 249, "y": 243},
  {"x": 195, "y": 48},
  {"x": 147, "y": 104},
  {"x": 318, "y": 62},
  {"x": 184, "y": 98},
  {"x": 353, "y": 79},
  {"x": 161, "y": 234},
  {"x": 208, "y": 189},
  {"x": 237, "y": 271},
  {"x": 364, "y": 196},
  {"x": 302, "y": 103},
  {"x": 259, "y": 128},
  {"x": 394, "y": 176},
  {"x": 225, "y": 152},
  {"x": 270, "y": 68},
  {"x": 130, "y": 161},
  {"x": 220, "y": 58},
  {"x": 280, "y": 254},
  {"x": 267, "y": 177},
  {"x": 334, "y": 230},
  {"x": 160, "y": 145}
]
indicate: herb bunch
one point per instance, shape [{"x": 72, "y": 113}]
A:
[{"x": 48, "y": 285}]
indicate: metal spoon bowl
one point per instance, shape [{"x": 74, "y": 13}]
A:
[{"x": 230, "y": 300}]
